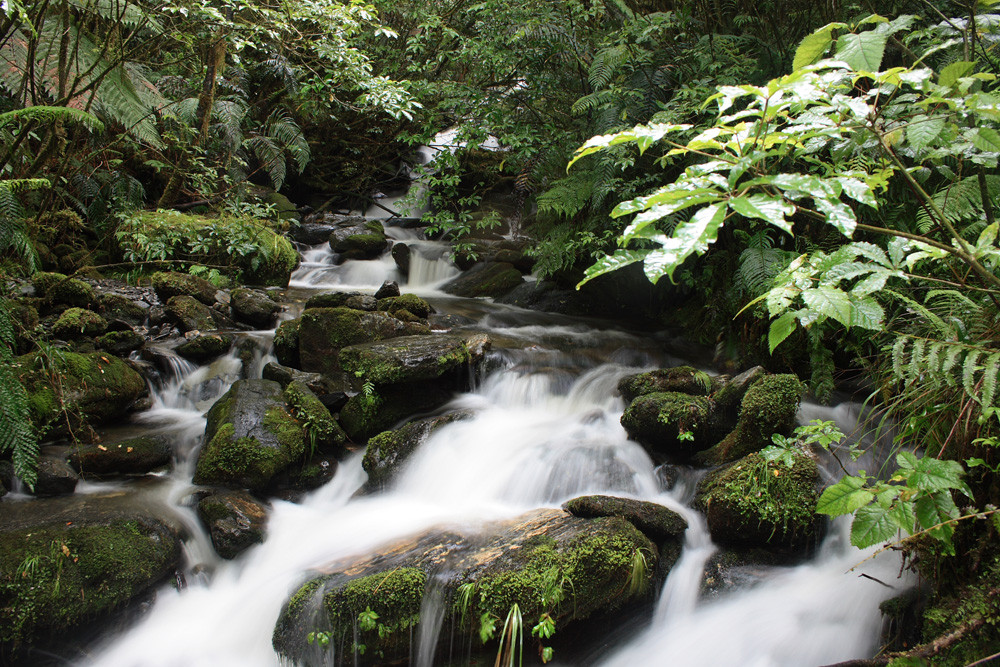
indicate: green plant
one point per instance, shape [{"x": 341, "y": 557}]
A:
[{"x": 18, "y": 436}]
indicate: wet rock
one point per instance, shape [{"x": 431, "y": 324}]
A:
[
  {"x": 118, "y": 307},
  {"x": 93, "y": 389},
  {"x": 323, "y": 331},
  {"x": 330, "y": 299},
  {"x": 169, "y": 284},
  {"x": 249, "y": 438},
  {"x": 506, "y": 564},
  {"x": 286, "y": 343},
  {"x": 401, "y": 255},
  {"x": 205, "y": 347},
  {"x": 388, "y": 288},
  {"x": 509, "y": 251},
  {"x": 121, "y": 343},
  {"x": 756, "y": 503},
  {"x": 669, "y": 424},
  {"x": 768, "y": 407},
  {"x": 366, "y": 240},
  {"x": 410, "y": 303},
  {"x": 413, "y": 358},
  {"x": 135, "y": 456},
  {"x": 253, "y": 307},
  {"x": 547, "y": 296},
  {"x": 235, "y": 520},
  {"x": 365, "y": 302},
  {"x": 189, "y": 314},
  {"x": 314, "y": 473},
  {"x": 79, "y": 323},
  {"x": 92, "y": 555},
  {"x": 311, "y": 233},
  {"x": 728, "y": 569},
  {"x": 683, "y": 379},
  {"x": 56, "y": 289},
  {"x": 387, "y": 451},
  {"x": 319, "y": 384},
  {"x": 486, "y": 279},
  {"x": 323, "y": 433},
  {"x": 655, "y": 521},
  {"x": 366, "y": 414},
  {"x": 6, "y": 477},
  {"x": 55, "y": 477}
]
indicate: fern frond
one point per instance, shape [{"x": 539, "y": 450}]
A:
[
  {"x": 47, "y": 115},
  {"x": 989, "y": 391},
  {"x": 270, "y": 156},
  {"x": 567, "y": 196},
  {"x": 969, "y": 369},
  {"x": 17, "y": 435},
  {"x": 286, "y": 132}
]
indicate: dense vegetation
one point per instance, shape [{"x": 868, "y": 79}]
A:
[{"x": 816, "y": 182}]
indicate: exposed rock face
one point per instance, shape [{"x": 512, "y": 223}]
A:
[
  {"x": 485, "y": 279},
  {"x": 235, "y": 520},
  {"x": 365, "y": 240},
  {"x": 135, "y": 456},
  {"x": 254, "y": 307},
  {"x": 413, "y": 358},
  {"x": 250, "y": 437},
  {"x": 93, "y": 555},
  {"x": 506, "y": 564},
  {"x": 169, "y": 284},
  {"x": 655, "y": 521},
  {"x": 323, "y": 331},
  {"x": 389, "y": 450}
]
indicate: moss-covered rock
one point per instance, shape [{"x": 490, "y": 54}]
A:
[
  {"x": 205, "y": 347},
  {"x": 323, "y": 331},
  {"x": 57, "y": 289},
  {"x": 254, "y": 307},
  {"x": 91, "y": 389},
  {"x": 323, "y": 433},
  {"x": 669, "y": 423},
  {"x": 135, "y": 456},
  {"x": 286, "y": 343},
  {"x": 655, "y": 521},
  {"x": 249, "y": 438},
  {"x": 78, "y": 565},
  {"x": 363, "y": 241},
  {"x": 79, "y": 322},
  {"x": 682, "y": 379},
  {"x": 189, "y": 314},
  {"x": 118, "y": 307},
  {"x": 768, "y": 407},
  {"x": 589, "y": 561},
  {"x": 169, "y": 284},
  {"x": 235, "y": 520},
  {"x": 329, "y": 299},
  {"x": 486, "y": 279},
  {"x": 121, "y": 343},
  {"x": 971, "y": 614},
  {"x": 756, "y": 503},
  {"x": 389, "y": 450},
  {"x": 405, "y": 302},
  {"x": 366, "y": 414},
  {"x": 413, "y": 358}
]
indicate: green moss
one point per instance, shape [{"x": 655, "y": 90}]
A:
[
  {"x": 661, "y": 419},
  {"x": 286, "y": 343},
  {"x": 288, "y": 431},
  {"x": 245, "y": 461},
  {"x": 975, "y": 604},
  {"x": 76, "y": 322},
  {"x": 682, "y": 379},
  {"x": 322, "y": 431},
  {"x": 405, "y": 302}
]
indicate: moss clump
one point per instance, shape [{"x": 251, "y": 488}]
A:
[
  {"x": 755, "y": 502},
  {"x": 322, "y": 431},
  {"x": 118, "y": 307},
  {"x": 682, "y": 379},
  {"x": 323, "y": 331},
  {"x": 395, "y": 596},
  {"x": 670, "y": 423},
  {"x": 56, "y": 288},
  {"x": 189, "y": 314},
  {"x": 974, "y": 611},
  {"x": 410, "y": 303},
  {"x": 169, "y": 284},
  {"x": 55, "y": 577},
  {"x": 286, "y": 343},
  {"x": 205, "y": 347},
  {"x": 77, "y": 322}
]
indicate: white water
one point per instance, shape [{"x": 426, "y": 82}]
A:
[{"x": 545, "y": 429}]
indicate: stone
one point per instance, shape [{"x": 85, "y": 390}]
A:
[
  {"x": 669, "y": 424},
  {"x": 401, "y": 255},
  {"x": 55, "y": 477},
  {"x": 389, "y": 288},
  {"x": 79, "y": 323},
  {"x": 121, "y": 343},
  {"x": 253, "y": 307},
  {"x": 286, "y": 343},
  {"x": 205, "y": 347},
  {"x": 235, "y": 520},
  {"x": 324, "y": 331},
  {"x": 189, "y": 314},
  {"x": 311, "y": 233},
  {"x": 169, "y": 284},
  {"x": 655, "y": 521},
  {"x": 330, "y": 299},
  {"x": 366, "y": 240},
  {"x": 413, "y": 358},
  {"x": 485, "y": 279},
  {"x": 135, "y": 456},
  {"x": 682, "y": 379},
  {"x": 118, "y": 307},
  {"x": 410, "y": 303},
  {"x": 366, "y": 414},
  {"x": 323, "y": 433},
  {"x": 389, "y": 450}
]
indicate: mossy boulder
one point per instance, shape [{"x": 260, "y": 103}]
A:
[
  {"x": 768, "y": 407},
  {"x": 682, "y": 379},
  {"x": 118, "y": 307},
  {"x": 135, "y": 456},
  {"x": 757, "y": 503},
  {"x": 413, "y": 358},
  {"x": 669, "y": 424},
  {"x": 254, "y": 307},
  {"x": 366, "y": 414},
  {"x": 250, "y": 437},
  {"x": 121, "y": 343},
  {"x": 362, "y": 241},
  {"x": 485, "y": 279},
  {"x": 286, "y": 343},
  {"x": 92, "y": 388},
  {"x": 507, "y": 563},
  {"x": 405, "y": 302},
  {"x": 205, "y": 347},
  {"x": 329, "y": 390},
  {"x": 169, "y": 284},
  {"x": 655, "y": 521},
  {"x": 78, "y": 323},
  {"x": 90, "y": 556},
  {"x": 388, "y": 451},
  {"x": 235, "y": 520},
  {"x": 324, "y": 331},
  {"x": 330, "y": 299},
  {"x": 56, "y": 289},
  {"x": 323, "y": 433},
  {"x": 189, "y": 314}
]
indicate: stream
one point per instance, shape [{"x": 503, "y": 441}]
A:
[{"x": 545, "y": 429}]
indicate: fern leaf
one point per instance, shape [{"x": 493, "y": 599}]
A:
[
  {"x": 916, "y": 365},
  {"x": 989, "y": 392},
  {"x": 932, "y": 362},
  {"x": 899, "y": 356},
  {"x": 951, "y": 360},
  {"x": 969, "y": 369}
]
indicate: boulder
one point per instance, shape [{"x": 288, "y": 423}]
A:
[
  {"x": 323, "y": 331},
  {"x": 655, "y": 521},
  {"x": 249, "y": 438},
  {"x": 189, "y": 314},
  {"x": 413, "y": 358},
  {"x": 325, "y": 387},
  {"x": 366, "y": 414},
  {"x": 235, "y": 520},
  {"x": 389, "y": 288},
  {"x": 756, "y": 503},
  {"x": 509, "y": 251},
  {"x": 311, "y": 233},
  {"x": 769, "y": 406},
  {"x": 93, "y": 389},
  {"x": 670, "y": 424},
  {"x": 366, "y": 240},
  {"x": 169, "y": 284},
  {"x": 590, "y": 561},
  {"x": 364, "y": 302},
  {"x": 121, "y": 343},
  {"x": 253, "y": 307},
  {"x": 55, "y": 477},
  {"x": 329, "y": 299},
  {"x": 79, "y": 323},
  {"x": 323, "y": 433},
  {"x": 118, "y": 307},
  {"x": 205, "y": 347},
  {"x": 401, "y": 255},
  {"x": 486, "y": 279},
  {"x": 410, "y": 303},
  {"x": 682, "y": 379},
  {"x": 88, "y": 555},
  {"x": 56, "y": 289},
  {"x": 135, "y": 456},
  {"x": 389, "y": 450},
  {"x": 286, "y": 343}
]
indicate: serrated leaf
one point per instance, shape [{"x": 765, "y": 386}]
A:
[
  {"x": 780, "y": 329},
  {"x": 838, "y": 214},
  {"x": 867, "y": 314},
  {"x": 692, "y": 236},
  {"x": 863, "y": 51},
  {"x": 871, "y": 284},
  {"x": 829, "y": 302},
  {"x": 985, "y": 139},
  {"x": 969, "y": 369},
  {"x": 765, "y": 207},
  {"x": 950, "y": 75},
  {"x": 858, "y": 190},
  {"x": 922, "y": 130},
  {"x": 813, "y": 47},
  {"x": 930, "y": 474},
  {"x": 872, "y": 525},
  {"x": 936, "y": 508},
  {"x": 846, "y": 496}
]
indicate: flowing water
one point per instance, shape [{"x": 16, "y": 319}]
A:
[{"x": 545, "y": 429}]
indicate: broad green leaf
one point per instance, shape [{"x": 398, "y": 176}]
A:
[
  {"x": 907, "y": 460},
  {"x": 863, "y": 51},
  {"x": 765, "y": 207},
  {"x": 985, "y": 139},
  {"x": 936, "y": 508},
  {"x": 847, "y": 271},
  {"x": 873, "y": 524},
  {"x": 620, "y": 259},
  {"x": 829, "y": 302},
  {"x": 955, "y": 71},
  {"x": 780, "y": 329},
  {"x": 838, "y": 214},
  {"x": 931, "y": 474},
  {"x": 922, "y": 130},
  {"x": 845, "y": 497},
  {"x": 867, "y": 314},
  {"x": 693, "y": 236},
  {"x": 858, "y": 190},
  {"x": 813, "y": 47}
]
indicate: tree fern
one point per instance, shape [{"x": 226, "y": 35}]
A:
[
  {"x": 283, "y": 129},
  {"x": 17, "y": 435},
  {"x": 47, "y": 115}
]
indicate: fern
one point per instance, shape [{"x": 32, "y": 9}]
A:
[
  {"x": 960, "y": 202},
  {"x": 937, "y": 362},
  {"x": 567, "y": 196},
  {"x": 48, "y": 115},
  {"x": 17, "y": 435}
]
